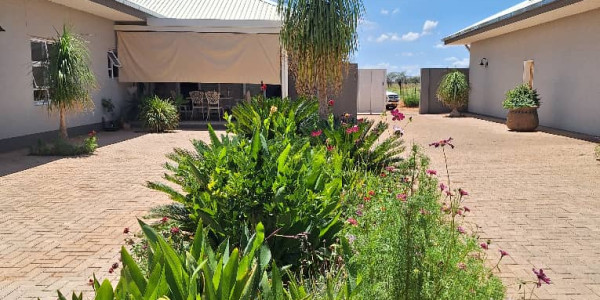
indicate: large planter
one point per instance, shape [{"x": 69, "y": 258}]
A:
[{"x": 523, "y": 119}]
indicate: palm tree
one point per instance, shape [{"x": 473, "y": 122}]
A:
[
  {"x": 319, "y": 37},
  {"x": 71, "y": 79}
]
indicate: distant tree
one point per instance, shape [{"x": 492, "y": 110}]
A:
[{"x": 395, "y": 77}]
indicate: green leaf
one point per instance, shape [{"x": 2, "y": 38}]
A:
[
  {"x": 136, "y": 273},
  {"x": 282, "y": 158},
  {"x": 229, "y": 276},
  {"x": 105, "y": 291}
]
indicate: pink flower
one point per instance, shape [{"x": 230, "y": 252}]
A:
[
  {"x": 352, "y": 221},
  {"x": 398, "y": 116},
  {"x": 359, "y": 213},
  {"x": 431, "y": 172},
  {"x": 462, "y": 266},
  {"x": 484, "y": 246},
  {"x": 442, "y": 143},
  {"x": 463, "y": 192},
  {"x": 164, "y": 220},
  {"x": 330, "y": 103},
  {"x": 503, "y": 253},
  {"x": 466, "y": 209},
  {"x": 126, "y": 230},
  {"x": 92, "y": 133},
  {"x": 361, "y": 120},
  {"x": 401, "y": 197},
  {"x": 461, "y": 230},
  {"x": 352, "y": 129},
  {"x": 390, "y": 169},
  {"x": 175, "y": 230},
  {"x": 316, "y": 133},
  {"x": 541, "y": 277},
  {"x": 424, "y": 212},
  {"x": 448, "y": 193},
  {"x": 442, "y": 186},
  {"x": 330, "y": 148}
]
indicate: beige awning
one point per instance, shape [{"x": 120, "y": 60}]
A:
[{"x": 199, "y": 57}]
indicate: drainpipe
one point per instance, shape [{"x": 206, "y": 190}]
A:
[{"x": 468, "y": 48}]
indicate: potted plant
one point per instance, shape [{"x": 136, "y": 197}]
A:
[
  {"x": 453, "y": 91},
  {"x": 522, "y": 103},
  {"x": 108, "y": 121}
]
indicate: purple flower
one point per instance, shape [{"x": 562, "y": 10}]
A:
[
  {"x": 351, "y": 238},
  {"x": 316, "y": 133},
  {"x": 503, "y": 253},
  {"x": 398, "y": 116},
  {"x": 401, "y": 197},
  {"x": 431, "y": 172},
  {"x": 461, "y": 230},
  {"x": 126, "y": 230},
  {"x": 442, "y": 186},
  {"x": 484, "y": 246},
  {"x": 463, "y": 192},
  {"x": 541, "y": 277},
  {"x": 466, "y": 209},
  {"x": 359, "y": 213},
  {"x": 442, "y": 143}
]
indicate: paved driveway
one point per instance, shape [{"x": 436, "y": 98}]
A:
[
  {"x": 535, "y": 195},
  {"x": 61, "y": 220}
]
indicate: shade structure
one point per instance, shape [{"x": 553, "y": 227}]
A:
[{"x": 199, "y": 57}]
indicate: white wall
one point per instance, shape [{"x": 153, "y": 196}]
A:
[
  {"x": 567, "y": 67},
  {"x": 25, "y": 19}
]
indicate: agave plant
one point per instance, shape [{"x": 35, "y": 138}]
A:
[
  {"x": 453, "y": 91},
  {"x": 159, "y": 115}
]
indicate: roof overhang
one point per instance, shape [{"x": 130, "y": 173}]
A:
[
  {"x": 115, "y": 10},
  {"x": 537, "y": 13},
  {"x": 221, "y": 26}
]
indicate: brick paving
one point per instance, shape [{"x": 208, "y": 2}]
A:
[
  {"x": 61, "y": 220},
  {"x": 534, "y": 195}
]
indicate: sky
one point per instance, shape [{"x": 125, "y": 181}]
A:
[{"x": 405, "y": 35}]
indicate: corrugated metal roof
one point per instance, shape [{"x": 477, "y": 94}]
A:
[{"x": 213, "y": 9}]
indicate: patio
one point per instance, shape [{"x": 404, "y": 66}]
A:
[{"x": 532, "y": 194}]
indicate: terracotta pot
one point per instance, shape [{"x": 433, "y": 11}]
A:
[{"x": 523, "y": 119}]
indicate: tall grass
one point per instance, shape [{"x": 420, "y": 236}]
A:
[{"x": 409, "y": 93}]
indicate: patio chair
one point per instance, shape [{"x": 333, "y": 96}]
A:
[
  {"x": 214, "y": 103},
  {"x": 184, "y": 109},
  {"x": 198, "y": 102}
]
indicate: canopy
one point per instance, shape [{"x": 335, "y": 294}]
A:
[{"x": 199, "y": 57}]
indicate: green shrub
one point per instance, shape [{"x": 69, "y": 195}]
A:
[
  {"x": 159, "y": 115},
  {"x": 61, "y": 147},
  {"x": 411, "y": 100},
  {"x": 521, "y": 96},
  {"x": 407, "y": 247},
  {"x": 453, "y": 90},
  {"x": 284, "y": 117},
  {"x": 206, "y": 273},
  {"x": 234, "y": 183}
]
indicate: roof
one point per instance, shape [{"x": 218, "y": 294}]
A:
[
  {"x": 212, "y": 9},
  {"x": 523, "y": 15}
]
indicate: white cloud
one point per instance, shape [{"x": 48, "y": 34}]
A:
[
  {"x": 458, "y": 63},
  {"x": 407, "y": 54},
  {"x": 365, "y": 24},
  {"x": 441, "y": 46},
  {"x": 387, "y": 37},
  {"x": 411, "y": 70},
  {"x": 429, "y": 26},
  {"x": 382, "y": 38},
  {"x": 411, "y": 36},
  {"x": 395, "y": 11},
  {"x": 385, "y": 12}
]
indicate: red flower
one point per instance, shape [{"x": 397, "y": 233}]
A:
[
  {"x": 316, "y": 133},
  {"x": 164, "y": 220},
  {"x": 442, "y": 186},
  {"x": 352, "y": 129},
  {"x": 367, "y": 199},
  {"x": 431, "y": 172},
  {"x": 398, "y": 116},
  {"x": 484, "y": 246},
  {"x": 263, "y": 87},
  {"x": 115, "y": 265},
  {"x": 541, "y": 277},
  {"x": 371, "y": 193},
  {"x": 463, "y": 192},
  {"x": 442, "y": 143},
  {"x": 401, "y": 197},
  {"x": 126, "y": 230},
  {"x": 175, "y": 230},
  {"x": 503, "y": 253},
  {"x": 361, "y": 120},
  {"x": 352, "y": 221},
  {"x": 382, "y": 175},
  {"x": 91, "y": 282},
  {"x": 111, "y": 270},
  {"x": 466, "y": 209},
  {"x": 92, "y": 133},
  {"x": 330, "y": 148},
  {"x": 330, "y": 103}
]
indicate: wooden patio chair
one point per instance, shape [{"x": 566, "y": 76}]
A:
[
  {"x": 198, "y": 102},
  {"x": 214, "y": 103}
]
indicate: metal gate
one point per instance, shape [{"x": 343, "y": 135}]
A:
[{"x": 371, "y": 91}]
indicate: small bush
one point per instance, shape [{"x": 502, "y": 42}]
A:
[
  {"x": 453, "y": 90},
  {"x": 159, "y": 115},
  {"x": 411, "y": 100},
  {"x": 61, "y": 147},
  {"x": 521, "y": 96}
]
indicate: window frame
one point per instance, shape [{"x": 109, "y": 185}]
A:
[
  {"x": 40, "y": 64},
  {"x": 113, "y": 63}
]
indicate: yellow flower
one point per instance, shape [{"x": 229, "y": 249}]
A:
[{"x": 273, "y": 109}]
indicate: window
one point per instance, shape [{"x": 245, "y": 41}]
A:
[
  {"x": 113, "y": 64},
  {"x": 40, "y": 53}
]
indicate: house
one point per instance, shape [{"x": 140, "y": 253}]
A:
[
  {"x": 557, "y": 42},
  {"x": 157, "y": 46}
]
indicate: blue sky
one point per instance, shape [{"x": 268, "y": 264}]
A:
[{"x": 405, "y": 35}]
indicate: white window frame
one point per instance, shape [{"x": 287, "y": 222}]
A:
[
  {"x": 35, "y": 63},
  {"x": 113, "y": 62}
]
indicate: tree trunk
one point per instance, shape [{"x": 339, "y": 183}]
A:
[
  {"x": 63, "y": 123},
  {"x": 323, "y": 104}
]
